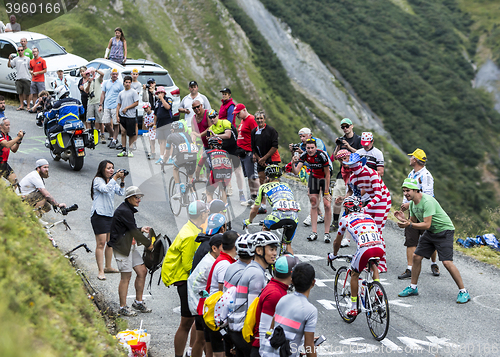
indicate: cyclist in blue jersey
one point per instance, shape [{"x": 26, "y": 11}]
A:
[{"x": 284, "y": 207}]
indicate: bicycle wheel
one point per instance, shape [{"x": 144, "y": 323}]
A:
[
  {"x": 175, "y": 205},
  {"x": 378, "y": 317},
  {"x": 342, "y": 291}
]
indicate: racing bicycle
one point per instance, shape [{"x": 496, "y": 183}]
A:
[{"x": 372, "y": 298}]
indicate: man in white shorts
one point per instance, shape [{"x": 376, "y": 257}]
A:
[
  {"x": 93, "y": 89},
  {"x": 123, "y": 231},
  {"x": 107, "y": 104}
]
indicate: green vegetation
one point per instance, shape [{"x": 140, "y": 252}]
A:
[
  {"x": 411, "y": 70},
  {"x": 44, "y": 309}
]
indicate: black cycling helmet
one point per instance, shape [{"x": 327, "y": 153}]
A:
[
  {"x": 215, "y": 142},
  {"x": 178, "y": 126},
  {"x": 353, "y": 204},
  {"x": 273, "y": 171},
  {"x": 212, "y": 113}
]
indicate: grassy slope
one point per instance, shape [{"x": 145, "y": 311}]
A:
[{"x": 44, "y": 309}]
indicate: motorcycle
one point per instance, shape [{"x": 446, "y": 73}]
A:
[{"x": 70, "y": 143}]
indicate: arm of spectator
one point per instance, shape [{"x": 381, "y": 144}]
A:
[
  {"x": 124, "y": 51},
  {"x": 227, "y": 134},
  {"x": 14, "y": 143},
  {"x": 230, "y": 115},
  {"x": 309, "y": 344},
  {"x": 380, "y": 170}
]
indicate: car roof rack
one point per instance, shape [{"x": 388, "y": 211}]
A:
[{"x": 141, "y": 62}]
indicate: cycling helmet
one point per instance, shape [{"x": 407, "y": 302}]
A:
[
  {"x": 273, "y": 171},
  {"x": 353, "y": 204},
  {"x": 178, "y": 126},
  {"x": 243, "y": 246},
  {"x": 215, "y": 141},
  {"x": 212, "y": 113},
  {"x": 263, "y": 238},
  {"x": 61, "y": 91}
]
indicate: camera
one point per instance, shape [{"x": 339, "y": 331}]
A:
[
  {"x": 339, "y": 141},
  {"x": 24, "y": 133},
  {"x": 125, "y": 172},
  {"x": 66, "y": 210},
  {"x": 91, "y": 95},
  {"x": 295, "y": 147},
  {"x": 148, "y": 85}
]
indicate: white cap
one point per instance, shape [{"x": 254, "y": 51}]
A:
[
  {"x": 41, "y": 162},
  {"x": 305, "y": 131}
]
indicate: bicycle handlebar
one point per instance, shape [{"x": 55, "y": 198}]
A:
[{"x": 330, "y": 261}]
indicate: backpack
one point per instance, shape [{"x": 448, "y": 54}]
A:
[
  {"x": 153, "y": 259},
  {"x": 221, "y": 311},
  {"x": 250, "y": 320},
  {"x": 491, "y": 241},
  {"x": 208, "y": 310}
]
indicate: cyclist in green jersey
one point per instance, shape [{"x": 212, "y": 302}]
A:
[{"x": 284, "y": 207}]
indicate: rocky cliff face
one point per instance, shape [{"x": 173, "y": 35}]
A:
[{"x": 488, "y": 78}]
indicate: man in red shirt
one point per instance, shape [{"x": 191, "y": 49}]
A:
[
  {"x": 38, "y": 68},
  {"x": 269, "y": 297},
  {"x": 7, "y": 144},
  {"x": 244, "y": 142}
]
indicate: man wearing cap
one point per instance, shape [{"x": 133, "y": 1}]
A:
[
  {"x": 215, "y": 224},
  {"x": 425, "y": 183},
  {"x": 244, "y": 142},
  {"x": 107, "y": 105},
  {"x": 186, "y": 105},
  {"x": 426, "y": 214},
  {"x": 177, "y": 266},
  {"x": 163, "y": 119},
  {"x": 374, "y": 157},
  {"x": 7, "y": 144},
  {"x": 124, "y": 233},
  {"x": 365, "y": 179},
  {"x": 33, "y": 190},
  {"x": 269, "y": 298},
  {"x": 126, "y": 104},
  {"x": 93, "y": 89},
  {"x": 227, "y": 107},
  {"x": 197, "y": 282},
  {"x": 23, "y": 78},
  {"x": 264, "y": 148},
  {"x": 351, "y": 142},
  {"x": 60, "y": 80}
]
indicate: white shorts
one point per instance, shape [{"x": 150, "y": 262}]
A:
[
  {"x": 108, "y": 114},
  {"x": 339, "y": 189},
  {"x": 93, "y": 112},
  {"x": 127, "y": 263},
  {"x": 360, "y": 259}
]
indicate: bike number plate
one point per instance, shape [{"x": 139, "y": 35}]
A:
[
  {"x": 79, "y": 143},
  {"x": 283, "y": 205}
]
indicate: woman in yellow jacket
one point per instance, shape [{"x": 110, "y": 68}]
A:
[{"x": 177, "y": 266}]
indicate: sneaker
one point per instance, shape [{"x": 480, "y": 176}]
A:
[
  {"x": 321, "y": 219},
  {"x": 435, "y": 269},
  {"x": 159, "y": 161},
  {"x": 352, "y": 313},
  {"x": 345, "y": 242},
  {"x": 141, "y": 307},
  {"x": 248, "y": 203},
  {"x": 125, "y": 311},
  {"x": 307, "y": 221},
  {"x": 150, "y": 156},
  {"x": 153, "y": 156},
  {"x": 243, "y": 199},
  {"x": 122, "y": 154},
  {"x": 130, "y": 154},
  {"x": 118, "y": 147},
  {"x": 170, "y": 161},
  {"x": 112, "y": 144},
  {"x": 405, "y": 275},
  {"x": 408, "y": 291},
  {"x": 103, "y": 139},
  {"x": 327, "y": 238},
  {"x": 312, "y": 236},
  {"x": 463, "y": 298},
  {"x": 262, "y": 210},
  {"x": 134, "y": 146},
  {"x": 229, "y": 191},
  {"x": 334, "y": 226}
]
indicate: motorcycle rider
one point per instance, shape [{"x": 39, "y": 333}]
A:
[{"x": 65, "y": 108}]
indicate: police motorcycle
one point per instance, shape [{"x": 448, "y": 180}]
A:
[{"x": 69, "y": 140}]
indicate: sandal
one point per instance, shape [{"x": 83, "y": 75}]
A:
[
  {"x": 31, "y": 111},
  {"x": 111, "y": 271},
  {"x": 20, "y": 108},
  {"x": 101, "y": 277}
]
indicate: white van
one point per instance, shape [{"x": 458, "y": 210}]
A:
[{"x": 54, "y": 55}]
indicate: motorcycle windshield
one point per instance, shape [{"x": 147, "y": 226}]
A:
[{"x": 73, "y": 124}]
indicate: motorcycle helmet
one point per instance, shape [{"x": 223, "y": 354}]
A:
[{"x": 61, "y": 91}]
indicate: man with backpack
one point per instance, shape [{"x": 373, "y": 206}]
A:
[
  {"x": 215, "y": 283},
  {"x": 177, "y": 266},
  {"x": 253, "y": 280},
  {"x": 197, "y": 282},
  {"x": 215, "y": 225},
  {"x": 271, "y": 294}
]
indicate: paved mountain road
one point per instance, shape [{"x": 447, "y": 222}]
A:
[{"x": 430, "y": 324}]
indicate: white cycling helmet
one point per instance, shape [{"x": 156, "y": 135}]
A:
[
  {"x": 243, "y": 246},
  {"x": 263, "y": 238},
  {"x": 61, "y": 91}
]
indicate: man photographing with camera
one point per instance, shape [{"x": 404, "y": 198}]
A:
[
  {"x": 351, "y": 142},
  {"x": 7, "y": 144}
]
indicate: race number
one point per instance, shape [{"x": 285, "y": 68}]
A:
[{"x": 283, "y": 205}]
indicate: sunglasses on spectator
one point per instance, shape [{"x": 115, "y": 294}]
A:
[
  {"x": 20, "y": 50},
  {"x": 196, "y": 107},
  {"x": 344, "y": 126}
]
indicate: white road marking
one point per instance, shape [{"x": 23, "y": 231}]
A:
[
  {"x": 328, "y": 304},
  {"x": 177, "y": 310},
  {"x": 488, "y": 303},
  {"x": 321, "y": 282},
  {"x": 399, "y": 303},
  {"x": 308, "y": 258},
  {"x": 391, "y": 345}
]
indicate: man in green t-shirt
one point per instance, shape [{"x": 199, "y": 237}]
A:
[
  {"x": 27, "y": 52},
  {"x": 426, "y": 214}
]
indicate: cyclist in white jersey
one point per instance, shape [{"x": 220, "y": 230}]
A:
[{"x": 363, "y": 230}]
